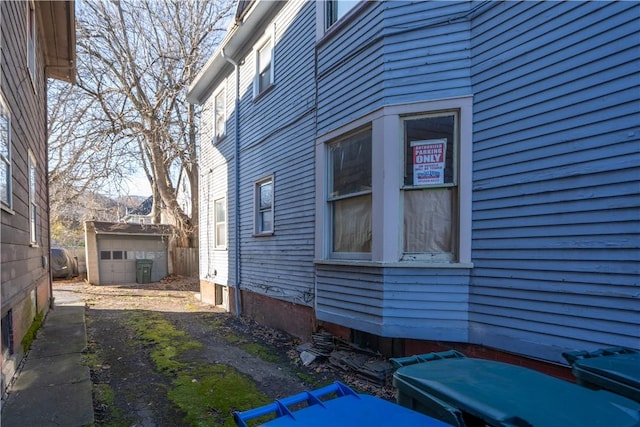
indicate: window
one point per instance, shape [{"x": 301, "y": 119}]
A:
[
  {"x": 336, "y": 9},
  {"x": 31, "y": 37},
  {"x": 7, "y": 333},
  {"x": 220, "y": 213},
  {"x": 219, "y": 115},
  {"x": 105, "y": 254},
  {"x": 5, "y": 155},
  {"x": 119, "y": 254},
  {"x": 264, "y": 206},
  {"x": 350, "y": 193},
  {"x": 430, "y": 181},
  {"x": 264, "y": 66},
  {"x": 33, "y": 206}
]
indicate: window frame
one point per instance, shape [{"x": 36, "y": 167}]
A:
[
  {"x": 6, "y": 159},
  {"x": 32, "y": 33},
  {"x": 222, "y": 201},
  {"x": 331, "y": 16},
  {"x": 332, "y": 199},
  {"x": 269, "y": 37},
  {"x": 387, "y": 216},
  {"x": 259, "y": 211},
  {"x": 432, "y": 256},
  {"x": 219, "y": 135},
  {"x": 32, "y": 167}
]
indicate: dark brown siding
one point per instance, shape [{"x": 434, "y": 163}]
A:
[{"x": 23, "y": 270}]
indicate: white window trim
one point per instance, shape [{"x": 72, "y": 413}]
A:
[
  {"x": 269, "y": 36},
  {"x": 322, "y": 31},
  {"x": 216, "y": 244},
  {"x": 256, "y": 206},
  {"x": 387, "y": 242},
  {"x": 217, "y": 138},
  {"x": 8, "y": 204},
  {"x": 32, "y": 41},
  {"x": 33, "y": 194}
]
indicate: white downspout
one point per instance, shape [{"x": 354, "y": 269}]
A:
[{"x": 236, "y": 215}]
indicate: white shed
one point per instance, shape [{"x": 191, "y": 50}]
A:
[{"x": 113, "y": 250}]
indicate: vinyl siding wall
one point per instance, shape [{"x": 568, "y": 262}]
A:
[
  {"x": 556, "y": 223},
  {"x": 393, "y": 54},
  {"x": 276, "y": 139}
]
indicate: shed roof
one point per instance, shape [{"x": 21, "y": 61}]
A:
[{"x": 123, "y": 228}]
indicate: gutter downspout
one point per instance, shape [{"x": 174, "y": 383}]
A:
[{"x": 236, "y": 213}]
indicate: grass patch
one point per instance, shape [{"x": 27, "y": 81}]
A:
[
  {"x": 206, "y": 393},
  {"x": 209, "y": 394},
  {"x": 260, "y": 351},
  {"x": 28, "y": 338}
]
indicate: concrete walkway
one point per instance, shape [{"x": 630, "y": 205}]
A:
[{"x": 53, "y": 388}]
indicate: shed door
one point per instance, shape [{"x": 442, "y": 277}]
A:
[{"x": 118, "y": 255}]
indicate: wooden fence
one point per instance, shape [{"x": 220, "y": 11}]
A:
[{"x": 185, "y": 261}]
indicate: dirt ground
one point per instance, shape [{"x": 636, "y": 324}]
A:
[{"x": 121, "y": 360}]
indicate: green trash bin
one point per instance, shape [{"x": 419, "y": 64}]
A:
[
  {"x": 143, "y": 270},
  {"x": 465, "y": 392},
  {"x": 616, "y": 369}
]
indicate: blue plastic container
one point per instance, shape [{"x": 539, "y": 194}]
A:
[{"x": 332, "y": 406}]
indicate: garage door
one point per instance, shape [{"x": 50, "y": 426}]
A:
[{"x": 118, "y": 255}]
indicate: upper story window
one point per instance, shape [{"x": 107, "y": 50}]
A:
[
  {"x": 33, "y": 206},
  {"x": 350, "y": 194},
  {"x": 5, "y": 155},
  {"x": 220, "y": 214},
  {"x": 219, "y": 115},
  {"x": 31, "y": 40},
  {"x": 336, "y": 9},
  {"x": 264, "y": 206},
  {"x": 264, "y": 59}
]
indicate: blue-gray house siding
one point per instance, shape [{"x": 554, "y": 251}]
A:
[
  {"x": 556, "y": 166},
  {"x": 552, "y": 90}
]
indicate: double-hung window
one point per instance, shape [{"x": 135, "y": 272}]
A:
[
  {"x": 219, "y": 115},
  {"x": 33, "y": 206},
  {"x": 264, "y": 59},
  {"x": 5, "y": 155},
  {"x": 430, "y": 186},
  {"x": 350, "y": 195},
  {"x": 264, "y": 206},
  {"x": 220, "y": 214}
]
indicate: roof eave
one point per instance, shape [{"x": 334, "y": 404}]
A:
[
  {"x": 240, "y": 31},
  {"x": 58, "y": 21}
]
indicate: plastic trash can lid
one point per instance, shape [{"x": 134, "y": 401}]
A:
[
  {"x": 363, "y": 410},
  {"x": 509, "y": 395},
  {"x": 623, "y": 367}
]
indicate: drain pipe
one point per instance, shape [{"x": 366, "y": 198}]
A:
[{"x": 236, "y": 213}]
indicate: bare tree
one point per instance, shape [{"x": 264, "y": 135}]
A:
[{"x": 135, "y": 61}]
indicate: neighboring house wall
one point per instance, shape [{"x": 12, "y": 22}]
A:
[
  {"x": 556, "y": 177},
  {"x": 27, "y": 46},
  {"x": 543, "y": 197}
]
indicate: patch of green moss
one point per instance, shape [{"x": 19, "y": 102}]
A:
[
  {"x": 168, "y": 342},
  {"x": 206, "y": 393},
  {"x": 260, "y": 351},
  {"x": 28, "y": 338},
  {"x": 104, "y": 396}
]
